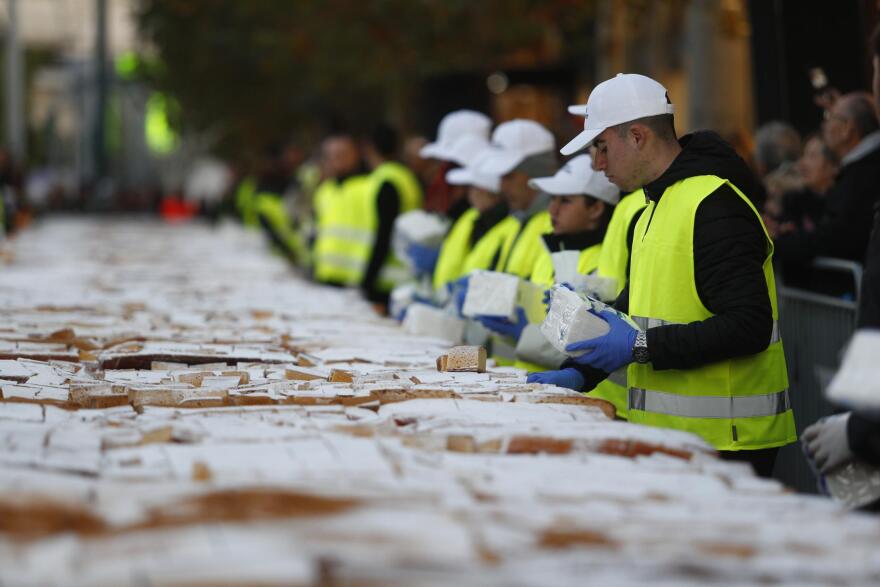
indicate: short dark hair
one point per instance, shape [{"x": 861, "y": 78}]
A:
[
  {"x": 384, "y": 139},
  {"x": 859, "y": 108},
  {"x": 662, "y": 125}
]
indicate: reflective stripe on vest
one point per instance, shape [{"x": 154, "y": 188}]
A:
[
  {"x": 709, "y": 406},
  {"x": 646, "y": 323}
]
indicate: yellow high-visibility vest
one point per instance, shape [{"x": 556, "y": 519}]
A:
[
  {"x": 521, "y": 250},
  {"x": 393, "y": 272},
  {"x": 734, "y": 404},
  {"x": 454, "y": 249},
  {"x": 342, "y": 237},
  {"x": 245, "y": 199},
  {"x": 270, "y": 207}
]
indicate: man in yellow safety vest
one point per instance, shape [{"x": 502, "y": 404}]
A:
[{"x": 707, "y": 357}]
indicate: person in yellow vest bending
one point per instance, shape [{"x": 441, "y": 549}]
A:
[
  {"x": 581, "y": 204},
  {"x": 707, "y": 357}
]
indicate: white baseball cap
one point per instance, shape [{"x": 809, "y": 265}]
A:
[
  {"x": 466, "y": 147},
  {"x": 577, "y": 177},
  {"x": 578, "y": 109},
  {"x": 472, "y": 174},
  {"x": 515, "y": 141},
  {"x": 455, "y": 125},
  {"x": 625, "y": 97}
]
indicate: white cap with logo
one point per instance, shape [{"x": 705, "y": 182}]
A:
[
  {"x": 515, "y": 141},
  {"x": 454, "y": 126},
  {"x": 625, "y": 97},
  {"x": 577, "y": 177},
  {"x": 473, "y": 174}
]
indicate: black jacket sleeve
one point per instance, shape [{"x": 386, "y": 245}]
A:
[
  {"x": 387, "y": 208},
  {"x": 863, "y": 435},
  {"x": 729, "y": 251}
]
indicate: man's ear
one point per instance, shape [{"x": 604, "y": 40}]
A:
[{"x": 638, "y": 133}]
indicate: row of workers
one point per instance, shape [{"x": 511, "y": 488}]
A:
[
  {"x": 688, "y": 253},
  {"x": 684, "y": 247}
]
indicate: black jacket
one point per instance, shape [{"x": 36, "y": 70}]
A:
[
  {"x": 845, "y": 225},
  {"x": 729, "y": 251}
]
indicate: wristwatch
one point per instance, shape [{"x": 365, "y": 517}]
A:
[{"x": 640, "y": 348}]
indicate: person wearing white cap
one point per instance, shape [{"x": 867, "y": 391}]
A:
[
  {"x": 707, "y": 357},
  {"x": 440, "y": 196},
  {"x": 581, "y": 204},
  {"x": 522, "y": 150},
  {"x": 478, "y": 245},
  {"x": 444, "y": 263}
]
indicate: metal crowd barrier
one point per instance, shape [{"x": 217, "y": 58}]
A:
[{"x": 815, "y": 329}]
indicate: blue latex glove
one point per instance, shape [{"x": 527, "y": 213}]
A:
[
  {"x": 504, "y": 326},
  {"x": 424, "y": 258},
  {"x": 570, "y": 378},
  {"x": 612, "y": 350},
  {"x": 459, "y": 292}
]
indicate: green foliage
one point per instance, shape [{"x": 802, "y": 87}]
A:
[{"x": 268, "y": 68}]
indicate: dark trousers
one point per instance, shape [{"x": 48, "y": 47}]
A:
[{"x": 762, "y": 460}]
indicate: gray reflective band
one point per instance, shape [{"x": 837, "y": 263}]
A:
[
  {"x": 618, "y": 377},
  {"x": 394, "y": 273},
  {"x": 708, "y": 406},
  {"x": 348, "y": 233},
  {"x": 340, "y": 261},
  {"x": 646, "y": 323}
]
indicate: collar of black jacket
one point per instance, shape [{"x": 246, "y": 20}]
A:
[
  {"x": 577, "y": 241},
  {"x": 706, "y": 153}
]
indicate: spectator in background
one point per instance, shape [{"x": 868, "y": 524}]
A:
[
  {"x": 851, "y": 130},
  {"x": 777, "y": 149},
  {"x": 835, "y": 441},
  {"x": 801, "y": 209}
]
